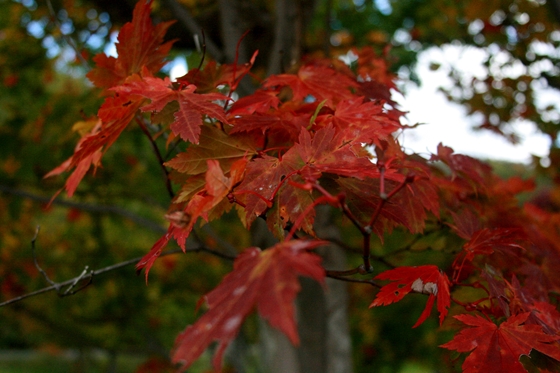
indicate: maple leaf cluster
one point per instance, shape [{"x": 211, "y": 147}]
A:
[{"x": 303, "y": 139}]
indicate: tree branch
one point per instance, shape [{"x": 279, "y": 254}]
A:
[
  {"x": 89, "y": 275},
  {"x": 190, "y": 23},
  {"x": 152, "y": 225},
  {"x": 341, "y": 278}
]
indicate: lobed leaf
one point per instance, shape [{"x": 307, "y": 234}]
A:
[
  {"x": 192, "y": 106},
  {"x": 498, "y": 348},
  {"x": 266, "y": 280},
  {"x": 427, "y": 279},
  {"x": 214, "y": 144},
  {"x": 140, "y": 44},
  {"x": 319, "y": 82}
]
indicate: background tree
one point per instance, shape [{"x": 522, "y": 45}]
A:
[{"x": 288, "y": 46}]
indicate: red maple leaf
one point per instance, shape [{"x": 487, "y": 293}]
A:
[
  {"x": 365, "y": 121},
  {"x": 324, "y": 151},
  {"x": 148, "y": 260},
  {"x": 462, "y": 165},
  {"x": 214, "y": 75},
  {"x": 485, "y": 242},
  {"x": 115, "y": 113},
  {"x": 140, "y": 44},
  {"x": 513, "y": 298},
  {"x": 266, "y": 280},
  {"x": 498, "y": 348},
  {"x": 330, "y": 151},
  {"x": 262, "y": 177},
  {"x": 278, "y": 123},
  {"x": 258, "y": 102},
  {"x": 217, "y": 187},
  {"x": 427, "y": 279},
  {"x": 408, "y": 207},
  {"x": 547, "y": 316},
  {"x": 465, "y": 223},
  {"x": 371, "y": 67},
  {"x": 192, "y": 106},
  {"x": 320, "y": 82}
]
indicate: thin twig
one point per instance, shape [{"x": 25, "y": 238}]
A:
[
  {"x": 158, "y": 155},
  {"x": 384, "y": 199},
  {"x": 82, "y": 275},
  {"x": 41, "y": 271},
  {"x": 349, "y": 272},
  {"x": 91, "y": 274},
  {"x": 370, "y": 282},
  {"x": 58, "y": 285},
  {"x": 217, "y": 253},
  {"x": 67, "y": 38},
  {"x": 201, "y": 49}
]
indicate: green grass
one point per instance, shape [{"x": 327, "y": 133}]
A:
[{"x": 39, "y": 362}]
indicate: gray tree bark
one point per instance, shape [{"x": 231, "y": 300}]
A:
[
  {"x": 233, "y": 26},
  {"x": 290, "y": 19},
  {"x": 322, "y": 314}
]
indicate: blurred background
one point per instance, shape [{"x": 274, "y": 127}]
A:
[{"x": 480, "y": 76}]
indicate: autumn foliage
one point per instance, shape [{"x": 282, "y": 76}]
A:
[{"x": 325, "y": 135}]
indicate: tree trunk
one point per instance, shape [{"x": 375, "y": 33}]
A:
[
  {"x": 321, "y": 311},
  {"x": 287, "y": 48},
  {"x": 322, "y": 314}
]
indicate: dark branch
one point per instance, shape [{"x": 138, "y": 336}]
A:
[
  {"x": 41, "y": 271},
  {"x": 70, "y": 282},
  {"x": 89, "y": 275},
  {"x": 190, "y": 23},
  {"x": 350, "y": 272},
  {"x": 341, "y": 278},
  {"x": 154, "y": 226}
]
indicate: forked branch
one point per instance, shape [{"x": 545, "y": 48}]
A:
[{"x": 85, "y": 278}]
